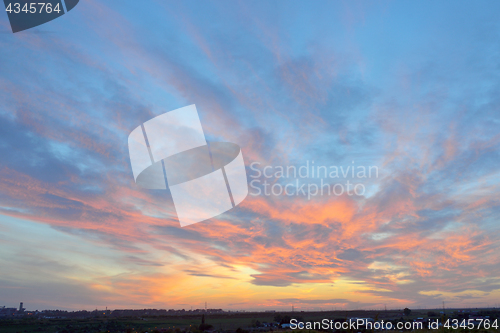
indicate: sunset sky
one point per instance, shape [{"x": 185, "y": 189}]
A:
[{"x": 409, "y": 87}]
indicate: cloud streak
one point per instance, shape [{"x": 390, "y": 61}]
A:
[{"x": 426, "y": 115}]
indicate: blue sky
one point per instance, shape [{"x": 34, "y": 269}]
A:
[{"x": 410, "y": 87}]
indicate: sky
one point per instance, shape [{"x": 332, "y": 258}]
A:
[{"x": 410, "y": 88}]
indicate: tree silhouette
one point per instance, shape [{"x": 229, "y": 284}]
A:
[{"x": 203, "y": 326}]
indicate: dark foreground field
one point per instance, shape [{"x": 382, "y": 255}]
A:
[{"x": 240, "y": 322}]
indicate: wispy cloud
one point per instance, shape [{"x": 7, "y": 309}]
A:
[{"x": 333, "y": 83}]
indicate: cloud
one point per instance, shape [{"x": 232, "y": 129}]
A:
[{"x": 425, "y": 115}]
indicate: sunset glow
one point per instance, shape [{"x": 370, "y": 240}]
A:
[{"x": 343, "y": 83}]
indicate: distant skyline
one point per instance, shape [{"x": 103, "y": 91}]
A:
[
  {"x": 215, "y": 310},
  {"x": 409, "y": 87}
]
